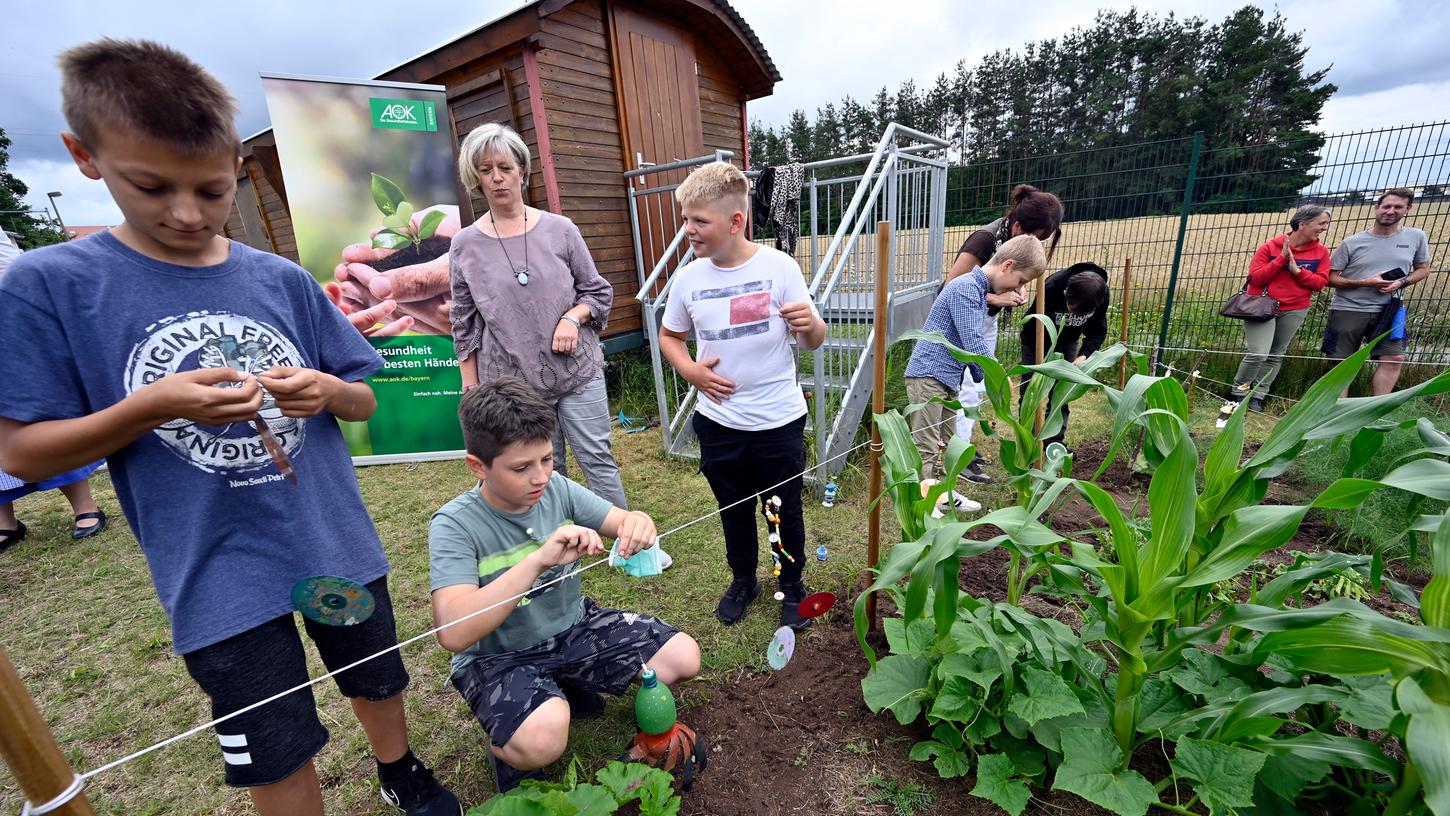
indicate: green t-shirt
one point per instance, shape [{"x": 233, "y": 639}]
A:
[{"x": 472, "y": 542}]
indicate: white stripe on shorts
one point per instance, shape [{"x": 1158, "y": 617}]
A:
[
  {"x": 244, "y": 758},
  {"x": 232, "y": 740}
]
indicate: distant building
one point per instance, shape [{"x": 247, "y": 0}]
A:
[{"x": 72, "y": 233}]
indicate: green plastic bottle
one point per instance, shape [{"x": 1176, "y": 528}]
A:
[{"x": 654, "y": 705}]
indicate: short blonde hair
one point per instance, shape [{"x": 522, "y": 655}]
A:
[
  {"x": 716, "y": 182},
  {"x": 490, "y": 138},
  {"x": 1026, "y": 251}
]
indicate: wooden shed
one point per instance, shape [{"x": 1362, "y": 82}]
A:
[{"x": 595, "y": 87}]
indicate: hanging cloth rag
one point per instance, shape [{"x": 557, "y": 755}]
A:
[
  {"x": 785, "y": 199},
  {"x": 760, "y": 198}
]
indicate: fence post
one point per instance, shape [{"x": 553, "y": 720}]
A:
[
  {"x": 884, "y": 235},
  {"x": 29, "y": 748},
  {"x": 1178, "y": 247}
]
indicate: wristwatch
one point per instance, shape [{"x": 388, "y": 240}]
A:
[{"x": 570, "y": 318}]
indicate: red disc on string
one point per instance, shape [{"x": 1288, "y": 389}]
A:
[{"x": 813, "y": 606}]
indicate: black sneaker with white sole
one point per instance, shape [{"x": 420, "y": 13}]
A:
[
  {"x": 736, "y": 600},
  {"x": 415, "y": 792},
  {"x": 974, "y": 473},
  {"x": 790, "y": 614}
]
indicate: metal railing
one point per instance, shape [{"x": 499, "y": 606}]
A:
[{"x": 841, "y": 201}]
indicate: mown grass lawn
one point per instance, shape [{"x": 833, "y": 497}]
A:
[{"x": 82, "y": 624}]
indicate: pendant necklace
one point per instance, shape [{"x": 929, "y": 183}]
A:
[{"x": 520, "y": 275}]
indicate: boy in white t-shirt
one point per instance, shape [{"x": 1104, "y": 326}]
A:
[{"x": 745, "y": 303}]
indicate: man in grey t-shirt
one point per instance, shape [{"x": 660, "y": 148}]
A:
[{"x": 1362, "y": 274}]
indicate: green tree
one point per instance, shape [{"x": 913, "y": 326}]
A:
[
  {"x": 798, "y": 137},
  {"x": 32, "y": 231}
]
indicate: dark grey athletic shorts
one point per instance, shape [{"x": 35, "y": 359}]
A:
[
  {"x": 603, "y": 652},
  {"x": 1350, "y": 330},
  {"x": 267, "y": 744}
]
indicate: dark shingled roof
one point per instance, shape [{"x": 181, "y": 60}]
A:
[{"x": 753, "y": 39}]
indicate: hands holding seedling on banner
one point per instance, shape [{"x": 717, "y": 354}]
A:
[{"x": 371, "y": 289}]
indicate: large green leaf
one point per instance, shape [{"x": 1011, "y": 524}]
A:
[
  {"x": 1423, "y": 477},
  {"x": 898, "y": 683},
  {"x": 1172, "y": 503},
  {"x": 1312, "y": 410},
  {"x": 386, "y": 195},
  {"x": 981, "y": 667},
  {"x": 1427, "y": 739},
  {"x": 995, "y": 784},
  {"x": 1369, "y": 702},
  {"x": 1247, "y": 533},
  {"x": 1125, "y": 543},
  {"x": 1160, "y": 704},
  {"x": 1287, "y": 774},
  {"x": 1348, "y": 645},
  {"x": 1090, "y": 769},
  {"x": 1223, "y": 776},
  {"x": 1042, "y": 696},
  {"x": 592, "y": 800},
  {"x": 1435, "y": 600},
  {"x": 1350, "y": 415},
  {"x": 915, "y": 638},
  {"x": 429, "y": 224},
  {"x": 1334, "y": 749},
  {"x": 1221, "y": 464},
  {"x": 951, "y": 760},
  {"x": 957, "y": 700}
]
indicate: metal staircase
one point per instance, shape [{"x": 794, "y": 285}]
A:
[{"x": 901, "y": 183}]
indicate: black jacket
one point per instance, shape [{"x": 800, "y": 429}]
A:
[{"x": 1091, "y": 328}]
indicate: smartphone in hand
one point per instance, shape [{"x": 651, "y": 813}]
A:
[{"x": 1394, "y": 274}]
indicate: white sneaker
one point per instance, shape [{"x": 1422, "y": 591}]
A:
[
  {"x": 1225, "y": 414},
  {"x": 960, "y": 503},
  {"x": 664, "y": 558}
]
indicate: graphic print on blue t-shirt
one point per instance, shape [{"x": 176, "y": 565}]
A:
[
  {"x": 216, "y": 340},
  {"x": 749, "y": 310}
]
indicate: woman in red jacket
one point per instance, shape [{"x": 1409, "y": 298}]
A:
[{"x": 1293, "y": 266}]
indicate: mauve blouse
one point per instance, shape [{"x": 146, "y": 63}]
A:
[{"x": 509, "y": 327}]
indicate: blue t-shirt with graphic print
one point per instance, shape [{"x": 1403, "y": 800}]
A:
[{"x": 90, "y": 322}]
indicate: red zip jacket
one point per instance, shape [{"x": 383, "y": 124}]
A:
[{"x": 1269, "y": 269}]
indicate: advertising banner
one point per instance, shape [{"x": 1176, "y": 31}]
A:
[{"x": 369, "y": 171}]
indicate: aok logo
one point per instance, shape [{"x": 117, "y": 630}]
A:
[
  {"x": 397, "y": 113},
  {"x": 403, "y": 114}
]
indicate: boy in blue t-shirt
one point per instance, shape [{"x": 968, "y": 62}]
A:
[
  {"x": 158, "y": 345},
  {"x": 525, "y": 667}
]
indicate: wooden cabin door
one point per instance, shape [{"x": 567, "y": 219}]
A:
[{"x": 660, "y": 97}]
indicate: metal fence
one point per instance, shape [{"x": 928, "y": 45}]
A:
[{"x": 1190, "y": 219}]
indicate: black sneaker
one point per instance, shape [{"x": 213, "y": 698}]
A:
[
  {"x": 974, "y": 473},
  {"x": 417, "y": 793},
  {"x": 584, "y": 703},
  {"x": 736, "y": 600},
  {"x": 790, "y": 614},
  {"x": 506, "y": 776},
  {"x": 1256, "y": 405}
]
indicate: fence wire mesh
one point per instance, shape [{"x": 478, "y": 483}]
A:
[{"x": 1190, "y": 218}]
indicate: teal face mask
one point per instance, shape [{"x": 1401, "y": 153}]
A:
[{"x": 643, "y": 564}]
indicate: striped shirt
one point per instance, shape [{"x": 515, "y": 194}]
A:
[{"x": 959, "y": 313}]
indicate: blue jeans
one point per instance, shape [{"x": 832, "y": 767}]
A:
[{"x": 584, "y": 420}]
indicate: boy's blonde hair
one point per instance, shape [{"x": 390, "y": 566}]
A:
[
  {"x": 1027, "y": 251},
  {"x": 490, "y": 138},
  {"x": 718, "y": 183},
  {"x": 149, "y": 89}
]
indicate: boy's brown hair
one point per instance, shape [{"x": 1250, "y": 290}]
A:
[
  {"x": 1027, "y": 251},
  {"x": 716, "y": 182},
  {"x": 150, "y": 89},
  {"x": 498, "y": 414}
]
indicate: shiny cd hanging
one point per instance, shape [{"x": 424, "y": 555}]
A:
[
  {"x": 782, "y": 646},
  {"x": 332, "y": 600},
  {"x": 813, "y": 606}
]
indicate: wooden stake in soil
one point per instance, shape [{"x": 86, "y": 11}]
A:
[
  {"x": 880, "y": 328},
  {"x": 1041, "y": 331},
  {"x": 29, "y": 748},
  {"x": 1123, "y": 332}
]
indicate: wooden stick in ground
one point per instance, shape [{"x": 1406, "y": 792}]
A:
[
  {"x": 29, "y": 748},
  {"x": 1041, "y": 334},
  {"x": 880, "y": 327},
  {"x": 1126, "y": 310}
]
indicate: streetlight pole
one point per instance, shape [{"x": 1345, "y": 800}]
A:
[{"x": 64, "y": 236}]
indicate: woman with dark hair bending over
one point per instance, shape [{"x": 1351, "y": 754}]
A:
[
  {"x": 1034, "y": 213},
  {"x": 529, "y": 303},
  {"x": 1292, "y": 267}
]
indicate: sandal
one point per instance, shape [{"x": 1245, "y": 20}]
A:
[
  {"x": 78, "y": 532},
  {"x": 12, "y": 537}
]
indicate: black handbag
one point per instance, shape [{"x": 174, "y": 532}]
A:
[{"x": 1245, "y": 306}]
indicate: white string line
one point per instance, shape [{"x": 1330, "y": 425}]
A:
[
  {"x": 1215, "y": 395},
  {"x": 1321, "y": 357},
  {"x": 398, "y": 646}
]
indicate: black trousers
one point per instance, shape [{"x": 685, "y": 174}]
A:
[{"x": 745, "y": 465}]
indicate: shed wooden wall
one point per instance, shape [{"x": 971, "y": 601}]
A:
[{"x": 577, "y": 87}]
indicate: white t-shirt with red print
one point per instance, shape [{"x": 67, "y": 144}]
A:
[{"x": 735, "y": 314}]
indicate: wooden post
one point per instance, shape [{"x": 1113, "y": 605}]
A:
[
  {"x": 1126, "y": 309},
  {"x": 29, "y": 748},
  {"x": 880, "y": 327},
  {"x": 1192, "y": 386},
  {"x": 1041, "y": 333}
]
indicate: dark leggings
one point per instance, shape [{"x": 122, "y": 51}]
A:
[{"x": 746, "y": 465}]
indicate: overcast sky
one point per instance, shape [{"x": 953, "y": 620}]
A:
[{"x": 1386, "y": 57}]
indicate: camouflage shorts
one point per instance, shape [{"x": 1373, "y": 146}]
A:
[{"x": 602, "y": 652}]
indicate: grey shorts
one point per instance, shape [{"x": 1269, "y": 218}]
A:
[
  {"x": 603, "y": 652},
  {"x": 1346, "y": 332}
]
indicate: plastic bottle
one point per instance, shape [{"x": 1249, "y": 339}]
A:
[
  {"x": 821, "y": 553},
  {"x": 830, "y": 497},
  {"x": 654, "y": 705}
]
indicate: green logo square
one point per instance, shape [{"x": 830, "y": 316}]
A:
[{"x": 403, "y": 114}]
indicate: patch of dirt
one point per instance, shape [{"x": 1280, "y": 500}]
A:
[
  {"x": 802, "y": 740},
  {"x": 426, "y": 251}
]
